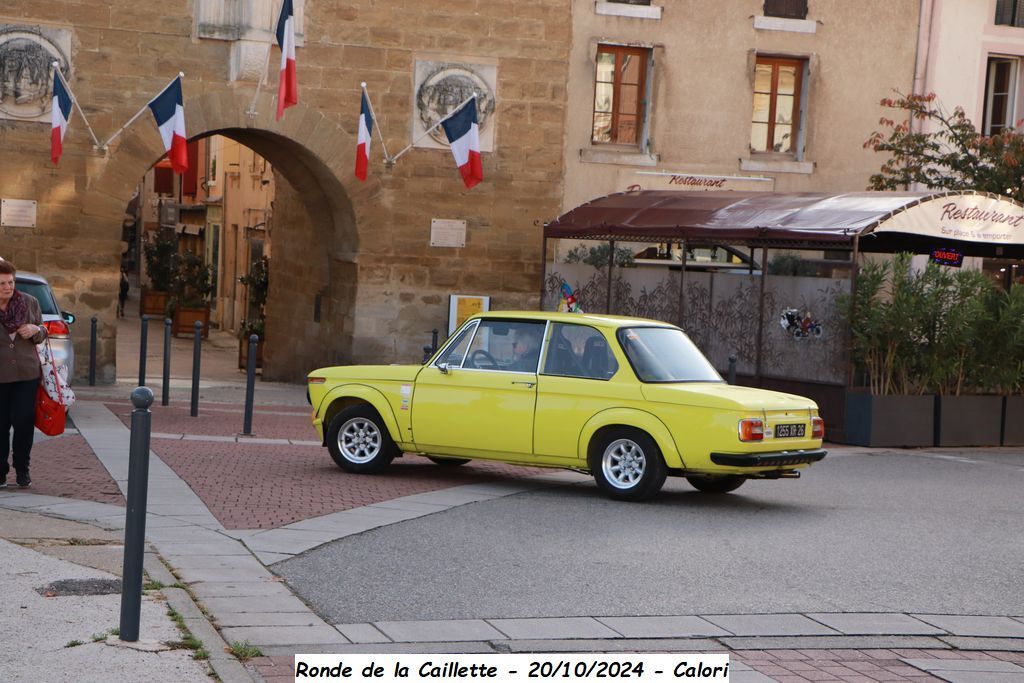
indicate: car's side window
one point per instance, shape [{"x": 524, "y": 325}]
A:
[
  {"x": 506, "y": 345},
  {"x": 579, "y": 351},
  {"x": 456, "y": 352}
]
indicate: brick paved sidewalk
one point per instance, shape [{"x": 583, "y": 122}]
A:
[
  {"x": 65, "y": 466},
  {"x": 224, "y": 419}
]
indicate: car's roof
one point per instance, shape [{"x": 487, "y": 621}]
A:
[
  {"x": 597, "y": 319},
  {"x": 28, "y": 275}
]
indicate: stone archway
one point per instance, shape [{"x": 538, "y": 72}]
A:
[{"x": 318, "y": 204}]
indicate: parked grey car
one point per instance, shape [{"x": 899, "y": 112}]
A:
[{"x": 55, "y": 321}]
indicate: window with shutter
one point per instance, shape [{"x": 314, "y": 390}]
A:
[
  {"x": 787, "y": 9},
  {"x": 620, "y": 93},
  {"x": 775, "y": 122}
]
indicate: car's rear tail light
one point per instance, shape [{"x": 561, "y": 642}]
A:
[
  {"x": 317, "y": 380},
  {"x": 751, "y": 429},
  {"x": 57, "y": 329},
  {"x": 817, "y": 428}
]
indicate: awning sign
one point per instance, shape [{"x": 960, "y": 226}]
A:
[
  {"x": 631, "y": 181},
  {"x": 967, "y": 217}
]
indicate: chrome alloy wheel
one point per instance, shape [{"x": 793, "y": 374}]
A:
[
  {"x": 623, "y": 463},
  {"x": 359, "y": 440}
]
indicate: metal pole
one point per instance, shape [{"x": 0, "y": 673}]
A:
[
  {"x": 92, "y": 353},
  {"x": 854, "y": 271},
  {"x": 732, "y": 368},
  {"x": 165, "y": 390},
  {"x": 135, "y": 516},
  {"x": 682, "y": 283},
  {"x": 250, "y": 384},
  {"x": 433, "y": 341},
  {"x": 760, "y": 317},
  {"x": 611, "y": 263},
  {"x": 197, "y": 351},
  {"x": 143, "y": 335},
  {"x": 543, "y": 270}
]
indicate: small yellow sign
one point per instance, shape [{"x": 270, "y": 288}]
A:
[{"x": 462, "y": 306}]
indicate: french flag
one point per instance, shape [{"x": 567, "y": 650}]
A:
[
  {"x": 365, "y": 130},
  {"x": 59, "y": 117},
  {"x": 287, "y": 84},
  {"x": 169, "y": 112},
  {"x": 464, "y": 139}
]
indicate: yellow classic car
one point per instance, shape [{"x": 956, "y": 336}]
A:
[{"x": 630, "y": 401}]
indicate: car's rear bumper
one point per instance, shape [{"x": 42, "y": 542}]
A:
[{"x": 776, "y": 459}]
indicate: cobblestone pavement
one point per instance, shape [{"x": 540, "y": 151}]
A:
[{"x": 66, "y": 467}]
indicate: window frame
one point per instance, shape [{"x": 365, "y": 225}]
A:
[
  {"x": 1012, "y": 10},
  {"x": 542, "y": 369},
  {"x": 646, "y": 56},
  {"x": 1011, "y": 95},
  {"x": 797, "y": 124},
  {"x": 785, "y": 9}
]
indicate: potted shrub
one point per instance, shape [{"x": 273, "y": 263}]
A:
[
  {"x": 160, "y": 252},
  {"x": 1003, "y": 359},
  {"x": 257, "y": 283},
  {"x": 889, "y": 410},
  {"x": 190, "y": 291}
]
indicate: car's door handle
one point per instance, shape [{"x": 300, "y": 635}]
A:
[{"x": 528, "y": 384}]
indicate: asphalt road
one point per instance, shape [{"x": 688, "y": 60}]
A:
[{"x": 893, "y": 532}]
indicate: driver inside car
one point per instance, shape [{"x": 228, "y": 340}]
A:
[{"x": 526, "y": 349}]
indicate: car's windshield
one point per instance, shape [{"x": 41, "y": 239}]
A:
[
  {"x": 663, "y": 354},
  {"x": 40, "y": 292}
]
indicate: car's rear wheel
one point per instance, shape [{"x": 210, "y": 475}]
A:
[
  {"x": 359, "y": 442},
  {"x": 447, "y": 462},
  {"x": 627, "y": 464},
  {"x": 716, "y": 483}
]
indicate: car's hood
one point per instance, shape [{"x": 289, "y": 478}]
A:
[
  {"x": 725, "y": 396},
  {"x": 358, "y": 373}
]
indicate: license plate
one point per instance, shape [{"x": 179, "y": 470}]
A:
[{"x": 790, "y": 431}]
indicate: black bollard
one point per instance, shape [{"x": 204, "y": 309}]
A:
[
  {"x": 92, "y": 353},
  {"x": 433, "y": 341},
  {"x": 143, "y": 334},
  {"x": 165, "y": 391},
  {"x": 135, "y": 516},
  {"x": 250, "y": 384},
  {"x": 197, "y": 350},
  {"x": 732, "y": 369}
]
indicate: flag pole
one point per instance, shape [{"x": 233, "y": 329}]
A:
[
  {"x": 430, "y": 130},
  {"x": 181, "y": 74},
  {"x": 74, "y": 100},
  {"x": 387, "y": 160}
]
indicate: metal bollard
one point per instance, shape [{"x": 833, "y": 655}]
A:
[
  {"x": 197, "y": 351},
  {"x": 143, "y": 335},
  {"x": 135, "y": 516},
  {"x": 92, "y": 353},
  {"x": 732, "y": 368},
  {"x": 165, "y": 390},
  {"x": 250, "y": 384},
  {"x": 433, "y": 341}
]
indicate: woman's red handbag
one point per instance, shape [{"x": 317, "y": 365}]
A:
[{"x": 50, "y": 415}]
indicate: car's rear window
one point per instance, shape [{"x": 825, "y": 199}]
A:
[
  {"x": 664, "y": 354},
  {"x": 40, "y": 292}
]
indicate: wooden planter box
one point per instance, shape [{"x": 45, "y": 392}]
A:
[
  {"x": 243, "y": 354},
  {"x": 889, "y": 421},
  {"x": 968, "y": 420},
  {"x": 186, "y": 317},
  {"x": 153, "y": 303},
  {"x": 1013, "y": 420}
]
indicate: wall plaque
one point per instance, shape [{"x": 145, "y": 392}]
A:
[
  {"x": 447, "y": 233},
  {"x": 441, "y": 86},
  {"x": 17, "y": 213},
  {"x": 26, "y": 73}
]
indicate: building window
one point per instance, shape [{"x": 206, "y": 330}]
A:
[
  {"x": 787, "y": 9},
  {"x": 776, "y": 116},
  {"x": 1000, "y": 94},
  {"x": 1010, "y": 13},
  {"x": 620, "y": 94}
]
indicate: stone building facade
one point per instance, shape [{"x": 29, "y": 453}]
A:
[{"x": 354, "y": 276}]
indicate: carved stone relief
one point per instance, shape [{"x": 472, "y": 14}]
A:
[
  {"x": 441, "y": 86},
  {"x": 26, "y": 74}
]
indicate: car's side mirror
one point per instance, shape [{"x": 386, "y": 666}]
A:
[
  {"x": 443, "y": 367},
  {"x": 68, "y": 317}
]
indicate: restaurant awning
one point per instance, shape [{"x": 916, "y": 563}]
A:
[{"x": 975, "y": 223}]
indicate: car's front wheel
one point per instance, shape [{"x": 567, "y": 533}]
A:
[
  {"x": 359, "y": 442},
  {"x": 627, "y": 464},
  {"x": 720, "y": 483}
]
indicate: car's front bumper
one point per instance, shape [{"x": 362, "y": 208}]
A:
[{"x": 774, "y": 459}]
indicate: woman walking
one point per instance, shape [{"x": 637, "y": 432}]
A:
[{"x": 23, "y": 328}]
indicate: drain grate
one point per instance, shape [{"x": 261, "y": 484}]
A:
[{"x": 80, "y": 587}]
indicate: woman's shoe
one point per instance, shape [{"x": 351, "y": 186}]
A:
[{"x": 24, "y": 481}]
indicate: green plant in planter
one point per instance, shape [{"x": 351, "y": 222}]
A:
[
  {"x": 191, "y": 282},
  {"x": 1001, "y": 345},
  {"x": 160, "y": 251},
  {"x": 258, "y": 283}
]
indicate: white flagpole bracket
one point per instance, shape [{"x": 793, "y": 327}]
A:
[
  {"x": 181, "y": 74},
  {"x": 434, "y": 127},
  {"x": 388, "y": 161}
]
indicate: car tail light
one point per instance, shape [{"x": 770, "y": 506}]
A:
[
  {"x": 57, "y": 329},
  {"x": 817, "y": 428},
  {"x": 751, "y": 429},
  {"x": 317, "y": 380}
]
